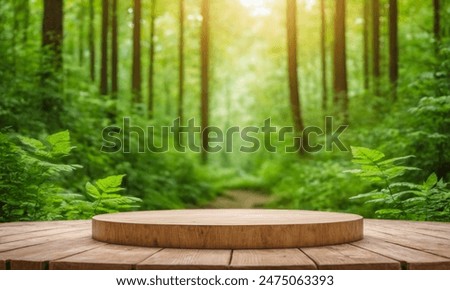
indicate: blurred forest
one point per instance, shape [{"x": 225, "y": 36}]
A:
[{"x": 70, "y": 68}]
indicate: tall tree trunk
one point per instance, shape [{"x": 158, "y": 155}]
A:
[
  {"x": 204, "y": 46},
  {"x": 104, "y": 48},
  {"x": 340, "y": 61},
  {"x": 136, "y": 71},
  {"x": 393, "y": 45},
  {"x": 151, "y": 73},
  {"x": 366, "y": 44},
  {"x": 324, "y": 55},
  {"x": 376, "y": 45},
  {"x": 437, "y": 20},
  {"x": 16, "y": 31},
  {"x": 80, "y": 31},
  {"x": 181, "y": 62},
  {"x": 26, "y": 20},
  {"x": 52, "y": 31},
  {"x": 52, "y": 42},
  {"x": 291, "y": 25},
  {"x": 114, "y": 52},
  {"x": 91, "y": 37}
]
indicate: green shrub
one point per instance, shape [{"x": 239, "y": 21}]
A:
[
  {"x": 400, "y": 199},
  {"x": 30, "y": 182}
]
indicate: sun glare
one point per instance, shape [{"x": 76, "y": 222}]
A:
[
  {"x": 262, "y": 7},
  {"x": 257, "y": 7}
]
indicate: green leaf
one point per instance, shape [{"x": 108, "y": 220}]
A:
[
  {"x": 32, "y": 143},
  {"x": 397, "y": 171},
  {"x": 371, "y": 194},
  {"x": 366, "y": 155},
  {"x": 405, "y": 184},
  {"x": 60, "y": 144},
  {"x": 92, "y": 190},
  {"x": 393, "y": 160},
  {"x": 431, "y": 181},
  {"x": 111, "y": 182}
]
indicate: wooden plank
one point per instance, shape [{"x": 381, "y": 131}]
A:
[
  {"x": 271, "y": 259},
  {"x": 44, "y": 223},
  {"x": 2, "y": 265},
  {"x": 348, "y": 257},
  {"x": 439, "y": 230},
  {"x": 42, "y": 240},
  {"x": 444, "y": 226},
  {"x": 35, "y": 234},
  {"x": 107, "y": 257},
  {"x": 187, "y": 259},
  {"x": 409, "y": 258},
  {"x": 433, "y": 245},
  {"x": 20, "y": 228},
  {"x": 227, "y": 228},
  {"x": 37, "y": 257}
]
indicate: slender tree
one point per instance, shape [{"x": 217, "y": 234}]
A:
[
  {"x": 151, "y": 73},
  {"x": 376, "y": 44},
  {"x": 340, "y": 60},
  {"x": 204, "y": 46},
  {"x": 181, "y": 62},
  {"x": 291, "y": 25},
  {"x": 52, "y": 31},
  {"x": 81, "y": 34},
  {"x": 114, "y": 51},
  {"x": 366, "y": 44},
  {"x": 52, "y": 42},
  {"x": 136, "y": 71},
  {"x": 16, "y": 30},
  {"x": 437, "y": 20},
  {"x": 104, "y": 48},
  {"x": 26, "y": 22},
  {"x": 91, "y": 37},
  {"x": 324, "y": 55},
  {"x": 393, "y": 45}
]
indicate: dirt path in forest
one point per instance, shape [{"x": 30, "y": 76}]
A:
[{"x": 240, "y": 199}]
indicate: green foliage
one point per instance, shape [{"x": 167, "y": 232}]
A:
[
  {"x": 400, "y": 199},
  {"x": 101, "y": 197},
  {"x": 311, "y": 184},
  {"x": 39, "y": 178},
  {"x": 30, "y": 187},
  {"x": 30, "y": 171}
]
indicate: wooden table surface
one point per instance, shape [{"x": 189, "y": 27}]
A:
[{"x": 68, "y": 245}]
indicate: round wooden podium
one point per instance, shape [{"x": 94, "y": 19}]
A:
[{"x": 227, "y": 228}]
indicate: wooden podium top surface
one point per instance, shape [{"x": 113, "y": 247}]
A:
[{"x": 227, "y": 217}]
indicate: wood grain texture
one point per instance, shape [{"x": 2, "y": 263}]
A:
[
  {"x": 187, "y": 259},
  {"x": 425, "y": 243},
  {"x": 7, "y": 229},
  {"x": 107, "y": 257},
  {"x": 440, "y": 230},
  {"x": 43, "y": 240},
  {"x": 410, "y": 259},
  {"x": 35, "y": 234},
  {"x": 279, "y": 259},
  {"x": 37, "y": 257},
  {"x": 227, "y": 229},
  {"x": 348, "y": 257},
  {"x": 387, "y": 245}
]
